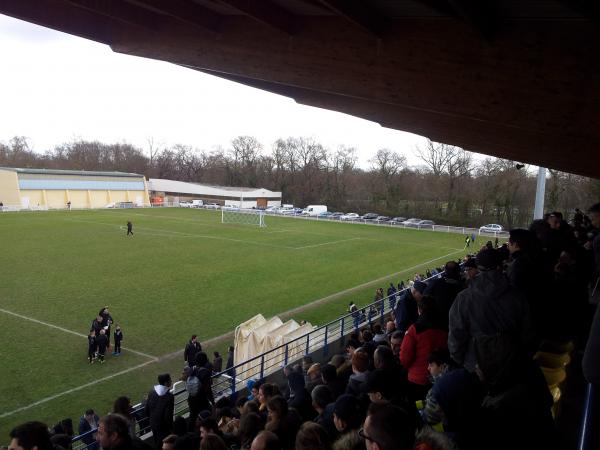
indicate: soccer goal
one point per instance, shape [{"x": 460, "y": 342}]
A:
[{"x": 243, "y": 216}]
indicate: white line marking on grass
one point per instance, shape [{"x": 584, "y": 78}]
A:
[
  {"x": 75, "y": 389},
  {"x": 328, "y": 243},
  {"x": 322, "y": 300},
  {"x": 65, "y": 330}
]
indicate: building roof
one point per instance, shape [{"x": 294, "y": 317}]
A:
[
  {"x": 513, "y": 79},
  {"x": 72, "y": 172},
  {"x": 182, "y": 187}
]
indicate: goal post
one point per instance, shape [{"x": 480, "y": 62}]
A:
[{"x": 243, "y": 216}]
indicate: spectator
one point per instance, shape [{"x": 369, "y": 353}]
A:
[
  {"x": 406, "y": 309},
  {"x": 420, "y": 340},
  {"x": 322, "y": 402},
  {"x": 307, "y": 361},
  {"x": 113, "y": 434},
  {"x": 266, "y": 440},
  {"x": 347, "y": 414},
  {"x": 208, "y": 426},
  {"x": 217, "y": 363},
  {"x": 30, "y": 436},
  {"x": 349, "y": 441},
  {"x": 266, "y": 391},
  {"x": 439, "y": 363},
  {"x": 299, "y": 397},
  {"x": 192, "y": 348},
  {"x": 250, "y": 425},
  {"x": 88, "y": 422},
  {"x": 391, "y": 294},
  {"x": 123, "y": 407},
  {"x": 388, "y": 427},
  {"x": 488, "y": 307},
  {"x": 61, "y": 441},
  {"x": 312, "y": 436},
  {"x": 378, "y": 334},
  {"x": 229, "y": 365},
  {"x": 470, "y": 267},
  {"x": 213, "y": 442},
  {"x": 314, "y": 377},
  {"x": 358, "y": 379},
  {"x": 331, "y": 380},
  {"x": 444, "y": 290},
  {"x": 102, "y": 344},
  {"x": 396, "y": 342},
  {"x": 591, "y": 365},
  {"x": 107, "y": 321},
  {"x": 159, "y": 408},
  {"x": 283, "y": 422},
  {"x": 168, "y": 443},
  {"x": 428, "y": 439}
]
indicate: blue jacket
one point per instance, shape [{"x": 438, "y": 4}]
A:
[{"x": 406, "y": 312}]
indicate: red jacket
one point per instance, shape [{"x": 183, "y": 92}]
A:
[{"x": 415, "y": 350}]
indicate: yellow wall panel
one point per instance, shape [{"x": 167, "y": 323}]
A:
[
  {"x": 79, "y": 199},
  {"x": 118, "y": 196},
  {"x": 9, "y": 188},
  {"x": 56, "y": 199},
  {"x": 99, "y": 199},
  {"x": 35, "y": 196}
]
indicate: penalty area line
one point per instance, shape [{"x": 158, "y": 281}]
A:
[{"x": 65, "y": 330}]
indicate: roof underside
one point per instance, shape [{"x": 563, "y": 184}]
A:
[
  {"x": 88, "y": 173},
  {"x": 517, "y": 79}
]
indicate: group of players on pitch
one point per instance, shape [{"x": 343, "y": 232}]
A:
[{"x": 99, "y": 337}]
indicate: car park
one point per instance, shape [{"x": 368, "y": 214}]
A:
[
  {"x": 425, "y": 224},
  {"x": 397, "y": 220},
  {"x": 491, "y": 228},
  {"x": 350, "y": 216},
  {"x": 185, "y": 204},
  {"x": 336, "y": 215},
  {"x": 382, "y": 219},
  {"x": 411, "y": 222},
  {"x": 211, "y": 206},
  {"x": 325, "y": 215},
  {"x": 369, "y": 216}
]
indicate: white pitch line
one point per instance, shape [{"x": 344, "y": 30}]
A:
[
  {"x": 215, "y": 339},
  {"x": 75, "y": 389},
  {"x": 65, "y": 330},
  {"x": 328, "y": 243}
]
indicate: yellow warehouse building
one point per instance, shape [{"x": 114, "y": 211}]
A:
[{"x": 54, "y": 189}]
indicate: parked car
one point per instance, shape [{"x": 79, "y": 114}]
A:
[
  {"x": 425, "y": 224},
  {"x": 350, "y": 216},
  {"x": 211, "y": 206},
  {"x": 196, "y": 204},
  {"x": 314, "y": 210},
  {"x": 336, "y": 215},
  {"x": 325, "y": 215},
  {"x": 411, "y": 222},
  {"x": 185, "y": 204},
  {"x": 397, "y": 220},
  {"x": 369, "y": 216},
  {"x": 271, "y": 209},
  {"x": 381, "y": 219},
  {"x": 491, "y": 228}
]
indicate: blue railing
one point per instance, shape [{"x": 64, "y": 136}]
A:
[
  {"x": 590, "y": 433},
  {"x": 232, "y": 380}
]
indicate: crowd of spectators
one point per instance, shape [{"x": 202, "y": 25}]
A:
[{"x": 451, "y": 367}]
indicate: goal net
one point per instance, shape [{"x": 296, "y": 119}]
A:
[{"x": 243, "y": 216}]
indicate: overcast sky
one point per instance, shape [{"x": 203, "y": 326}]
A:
[{"x": 56, "y": 87}]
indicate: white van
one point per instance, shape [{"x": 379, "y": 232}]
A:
[
  {"x": 314, "y": 210},
  {"x": 197, "y": 204}
]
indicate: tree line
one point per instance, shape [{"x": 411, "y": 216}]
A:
[{"x": 450, "y": 186}]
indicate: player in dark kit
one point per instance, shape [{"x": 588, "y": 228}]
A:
[
  {"x": 92, "y": 346},
  {"x": 102, "y": 342},
  {"x": 118, "y": 338},
  {"x": 129, "y": 228}
]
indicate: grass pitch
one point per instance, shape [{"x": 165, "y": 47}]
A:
[{"x": 182, "y": 273}]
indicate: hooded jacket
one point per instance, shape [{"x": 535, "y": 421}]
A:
[
  {"x": 159, "y": 408},
  {"x": 489, "y": 306}
]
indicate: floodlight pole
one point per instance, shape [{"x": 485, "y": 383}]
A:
[{"x": 540, "y": 192}]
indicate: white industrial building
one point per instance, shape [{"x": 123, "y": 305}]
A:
[{"x": 170, "y": 191}]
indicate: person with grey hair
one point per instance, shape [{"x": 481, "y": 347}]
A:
[{"x": 266, "y": 440}]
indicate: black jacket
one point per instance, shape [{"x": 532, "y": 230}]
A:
[
  {"x": 189, "y": 354},
  {"x": 101, "y": 342},
  {"x": 159, "y": 408},
  {"x": 444, "y": 290}
]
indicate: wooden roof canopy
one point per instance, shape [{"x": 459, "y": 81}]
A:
[{"x": 517, "y": 79}]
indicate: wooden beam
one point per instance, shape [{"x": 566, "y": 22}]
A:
[
  {"x": 120, "y": 12},
  {"x": 184, "y": 11},
  {"x": 358, "y": 13},
  {"x": 440, "y": 6},
  {"x": 267, "y": 13}
]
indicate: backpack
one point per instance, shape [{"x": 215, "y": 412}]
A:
[{"x": 193, "y": 384}]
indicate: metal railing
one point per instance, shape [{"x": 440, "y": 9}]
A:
[
  {"x": 234, "y": 379},
  {"x": 589, "y": 436}
]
